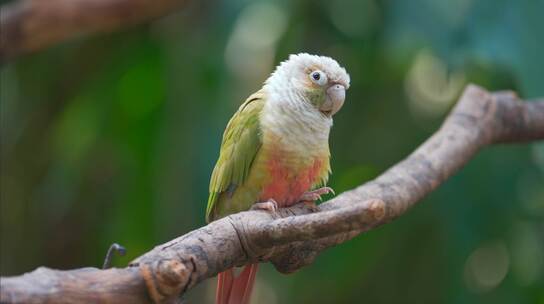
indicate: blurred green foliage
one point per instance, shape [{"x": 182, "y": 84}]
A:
[{"x": 112, "y": 138}]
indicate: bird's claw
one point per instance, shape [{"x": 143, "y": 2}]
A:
[
  {"x": 311, "y": 205},
  {"x": 270, "y": 205},
  {"x": 314, "y": 195}
]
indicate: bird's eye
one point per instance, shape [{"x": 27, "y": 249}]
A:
[{"x": 318, "y": 77}]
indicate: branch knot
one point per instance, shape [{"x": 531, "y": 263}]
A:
[{"x": 165, "y": 279}]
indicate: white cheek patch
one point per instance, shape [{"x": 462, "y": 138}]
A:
[{"x": 297, "y": 84}]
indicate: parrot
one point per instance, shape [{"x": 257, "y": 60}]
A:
[{"x": 275, "y": 151}]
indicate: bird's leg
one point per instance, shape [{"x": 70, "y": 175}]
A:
[
  {"x": 310, "y": 197},
  {"x": 270, "y": 205}
]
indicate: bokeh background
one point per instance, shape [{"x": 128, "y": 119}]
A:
[{"x": 112, "y": 138}]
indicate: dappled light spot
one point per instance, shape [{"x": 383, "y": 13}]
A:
[
  {"x": 77, "y": 128},
  {"x": 430, "y": 87},
  {"x": 487, "y": 266},
  {"x": 354, "y": 18},
  {"x": 530, "y": 194},
  {"x": 527, "y": 254},
  {"x": 141, "y": 89},
  {"x": 251, "y": 47}
]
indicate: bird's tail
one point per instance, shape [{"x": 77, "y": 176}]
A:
[{"x": 235, "y": 290}]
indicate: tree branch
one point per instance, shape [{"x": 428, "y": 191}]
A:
[
  {"x": 30, "y": 25},
  {"x": 293, "y": 237}
]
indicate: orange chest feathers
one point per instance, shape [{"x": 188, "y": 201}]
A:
[{"x": 288, "y": 179}]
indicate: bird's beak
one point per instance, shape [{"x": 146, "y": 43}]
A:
[{"x": 335, "y": 99}]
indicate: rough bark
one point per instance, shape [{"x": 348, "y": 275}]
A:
[
  {"x": 293, "y": 237},
  {"x": 30, "y": 25}
]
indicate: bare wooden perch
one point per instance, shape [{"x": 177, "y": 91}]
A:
[
  {"x": 30, "y": 25},
  {"x": 293, "y": 237}
]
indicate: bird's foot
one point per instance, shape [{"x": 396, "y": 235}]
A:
[
  {"x": 310, "y": 197},
  {"x": 270, "y": 205},
  {"x": 311, "y": 205},
  {"x": 314, "y": 195}
]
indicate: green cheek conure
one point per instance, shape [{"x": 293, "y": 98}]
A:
[{"x": 275, "y": 150}]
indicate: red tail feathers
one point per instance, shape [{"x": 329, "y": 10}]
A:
[{"x": 235, "y": 290}]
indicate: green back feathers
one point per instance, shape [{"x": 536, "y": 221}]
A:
[{"x": 241, "y": 142}]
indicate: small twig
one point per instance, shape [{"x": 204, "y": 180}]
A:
[{"x": 114, "y": 248}]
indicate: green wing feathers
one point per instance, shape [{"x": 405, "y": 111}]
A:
[{"x": 241, "y": 142}]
